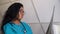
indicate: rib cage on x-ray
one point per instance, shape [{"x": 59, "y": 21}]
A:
[{"x": 50, "y": 27}]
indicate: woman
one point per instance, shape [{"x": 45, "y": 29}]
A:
[{"x": 11, "y": 23}]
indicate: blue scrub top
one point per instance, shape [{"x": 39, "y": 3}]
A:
[{"x": 11, "y": 28}]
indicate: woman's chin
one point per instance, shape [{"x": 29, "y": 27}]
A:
[{"x": 20, "y": 18}]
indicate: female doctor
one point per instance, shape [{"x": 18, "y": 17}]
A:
[{"x": 12, "y": 24}]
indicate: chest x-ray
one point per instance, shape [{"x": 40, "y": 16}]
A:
[{"x": 42, "y": 15}]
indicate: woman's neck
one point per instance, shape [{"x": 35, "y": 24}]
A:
[{"x": 16, "y": 22}]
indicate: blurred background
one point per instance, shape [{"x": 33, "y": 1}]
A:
[{"x": 38, "y": 13}]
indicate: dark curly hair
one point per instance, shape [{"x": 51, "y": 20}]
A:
[{"x": 11, "y": 13}]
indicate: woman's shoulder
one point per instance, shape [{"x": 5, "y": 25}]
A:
[
  {"x": 28, "y": 28},
  {"x": 8, "y": 25},
  {"x": 24, "y": 23}
]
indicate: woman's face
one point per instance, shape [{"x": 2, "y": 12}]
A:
[{"x": 21, "y": 13}]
